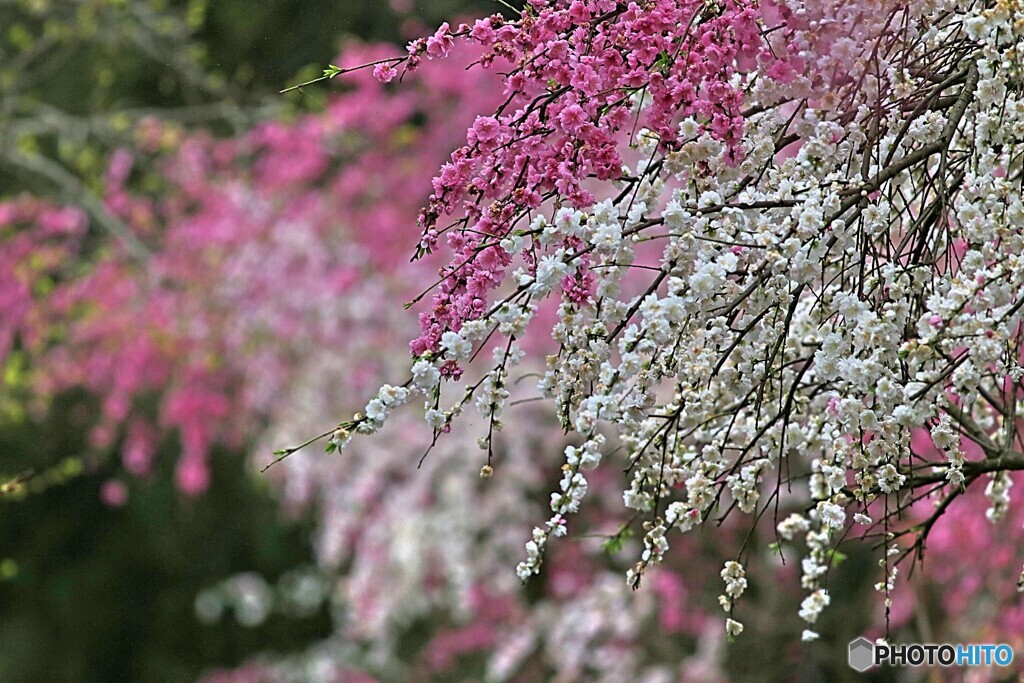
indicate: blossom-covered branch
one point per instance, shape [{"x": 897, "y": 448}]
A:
[{"x": 781, "y": 237}]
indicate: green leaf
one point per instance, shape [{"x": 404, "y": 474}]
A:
[
  {"x": 836, "y": 557},
  {"x": 614, "y": 544}
]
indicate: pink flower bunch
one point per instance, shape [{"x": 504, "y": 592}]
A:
[
  {"x": 262, "y": 247},
  {"x": 39, "y": 243},
  {"x": 579, "y": 70}
]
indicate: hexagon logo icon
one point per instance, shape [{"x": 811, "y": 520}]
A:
[{"x": 862, "y": 654}]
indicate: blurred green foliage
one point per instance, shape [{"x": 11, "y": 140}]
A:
[
  {"x": 310, "y": 32},
  {"x": 75, "y": 75},
  {"x": 91, "y": 593}
]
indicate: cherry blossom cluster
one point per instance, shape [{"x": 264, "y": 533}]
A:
[
  {"x": 566, "y": 105},
  {"x": 780, "y": 239},
  {"x": 403, "y": 546}
]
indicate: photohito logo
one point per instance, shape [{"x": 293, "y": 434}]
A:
[{"x": 863, "y": 654}]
